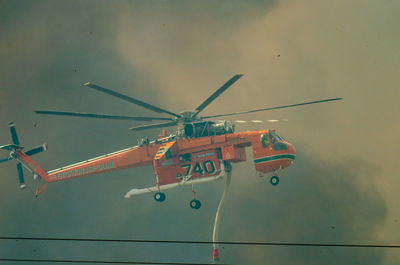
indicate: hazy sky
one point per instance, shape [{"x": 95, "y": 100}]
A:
[{"x": 343, "y": 187}]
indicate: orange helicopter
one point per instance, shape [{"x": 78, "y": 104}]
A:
[{"x": 200, "y": 151}]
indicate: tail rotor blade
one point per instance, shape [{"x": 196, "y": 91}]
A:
[
  {"x": 5, "y": 159},
  {"x": 10, "y": 147},
  {"x": 36, "y": 150},
  {"x": 14, "y": 135},
  {"x": 21, "y": 176}
]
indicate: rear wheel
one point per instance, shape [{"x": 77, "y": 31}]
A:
[
  {"x": 195, "y": 204},
  {"x": 159, "y": 196},
  {"x": 274, "y": 180}
]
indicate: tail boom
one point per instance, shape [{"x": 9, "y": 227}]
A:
[{"x": 131, "y": 157}]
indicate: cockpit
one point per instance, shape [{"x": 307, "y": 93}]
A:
[{"x": 278, "y": 142}]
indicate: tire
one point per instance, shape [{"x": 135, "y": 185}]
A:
[
  {"x": 159, "y": 196},
  {"x": 195, "y": 204},
  {"x": 274, "y": 180}
]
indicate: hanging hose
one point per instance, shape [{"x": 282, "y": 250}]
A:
[{"x": 218, "y": 214}]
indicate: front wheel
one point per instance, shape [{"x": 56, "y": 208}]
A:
[
  {"x": 195, "y": 204},
  {"x": 274, "y": 180},
  {"x": 159, "y": 196}
]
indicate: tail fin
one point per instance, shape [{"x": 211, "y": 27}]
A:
[{"x": 16, "y": 153}]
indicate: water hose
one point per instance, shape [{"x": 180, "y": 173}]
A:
[{"x": 218, "y": 214}]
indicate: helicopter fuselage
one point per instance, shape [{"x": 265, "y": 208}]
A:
[{"x": 175, "y": 159}]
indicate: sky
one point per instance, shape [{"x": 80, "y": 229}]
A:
[{"x": 343, "y": 187}]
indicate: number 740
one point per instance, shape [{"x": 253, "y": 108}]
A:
[{"x": 207, "y": 166}]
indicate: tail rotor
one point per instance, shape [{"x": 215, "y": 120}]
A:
[{"x": 15, "y": 146}]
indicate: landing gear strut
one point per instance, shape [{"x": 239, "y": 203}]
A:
[
  {"x": 194, "y": 204},
  {"x": 159, "y": 196}
]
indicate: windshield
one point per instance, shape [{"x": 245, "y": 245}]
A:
[
  {"x": 277, "y": 141},
  {"x": 275, "y": 137}
]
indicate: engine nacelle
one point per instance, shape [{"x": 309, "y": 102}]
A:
[{"x": 207, "y": 128}]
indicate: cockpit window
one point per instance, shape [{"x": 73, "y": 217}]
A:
[
  {"x": 264, "y": 140},
  {"x": 278, "y": 143},
  {"x": 275, "y": 138}
]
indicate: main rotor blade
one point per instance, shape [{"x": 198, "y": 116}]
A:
[
  {"x": 130, "y": 99},
  {"x": 258, "y": 121},
  {"x": 217, "y": 93},
  {"x": 100, "y": 116},
  {"x": 279, "y": 107},
  {"x": 155, "y": 125}
]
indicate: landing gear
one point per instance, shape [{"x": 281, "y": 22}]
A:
[
  {"x": 195, "y": 204},
  {"x": 159, "y": 196},
  {"x": 274, "y": 180}
]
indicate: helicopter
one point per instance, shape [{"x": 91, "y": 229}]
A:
[{"x": 199, "y": 151}]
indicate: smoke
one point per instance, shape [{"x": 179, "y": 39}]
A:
[
  {"x": 317, "y": 201},
  {"x": 1, "y": 101}
]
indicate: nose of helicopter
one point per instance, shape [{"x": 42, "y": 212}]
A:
[
  {"x": 279, "y": 155},
  {"x": 291, "y": 151},
  {"x": 289, "y": 155}
]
